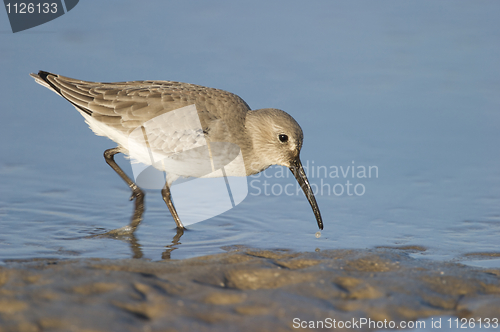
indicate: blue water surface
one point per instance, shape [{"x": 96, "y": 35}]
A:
[{"x": 407, "y": 88}]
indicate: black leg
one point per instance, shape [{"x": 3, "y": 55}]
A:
[
  {"x": 167, "y": 197},
  {"x": 137, "y": 194}
]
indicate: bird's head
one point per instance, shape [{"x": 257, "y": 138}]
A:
[{"x": 276, "y": 140}]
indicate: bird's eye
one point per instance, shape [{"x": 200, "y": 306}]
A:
[{"x": 283, "y": 138}]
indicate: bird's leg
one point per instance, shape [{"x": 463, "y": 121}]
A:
[
  {"x": 137, "y": 194},
  {"x": 167, "y": 197}
]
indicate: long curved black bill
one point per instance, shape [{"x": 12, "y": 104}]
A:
[{"x": 300, "y": 175}]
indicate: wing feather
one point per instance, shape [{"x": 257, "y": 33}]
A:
[{"x": 115, "y": 110}]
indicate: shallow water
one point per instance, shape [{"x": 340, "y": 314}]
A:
[{"x": 410, "y": 89}]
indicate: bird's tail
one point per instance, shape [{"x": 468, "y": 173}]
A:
[{"x": 39, "y": 79}]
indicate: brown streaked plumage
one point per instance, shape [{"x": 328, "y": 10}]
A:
[{"x": 116, "y": 110}]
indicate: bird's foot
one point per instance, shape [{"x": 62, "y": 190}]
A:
[
  {"x": 123, "y": 231},
  {"x": 136, "y": 192}
]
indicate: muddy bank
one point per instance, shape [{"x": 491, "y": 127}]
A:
[{"x": 244, "y": 289}]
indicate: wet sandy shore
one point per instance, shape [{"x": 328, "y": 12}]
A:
[{"x": 242, "y": 290}]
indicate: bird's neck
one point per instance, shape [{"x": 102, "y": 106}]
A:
[{"x": 255, "y": 162}]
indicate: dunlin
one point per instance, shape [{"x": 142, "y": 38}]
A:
[{"x": 264, "y": 137}]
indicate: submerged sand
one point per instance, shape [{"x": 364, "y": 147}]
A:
[{"x": 242, "y": 290}]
